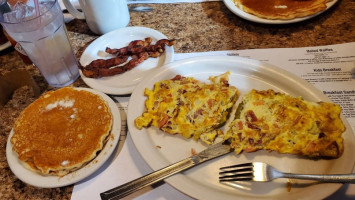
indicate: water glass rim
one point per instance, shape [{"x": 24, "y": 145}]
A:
[{"x": 28, "y": 20}]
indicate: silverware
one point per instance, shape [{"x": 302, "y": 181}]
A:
[
  {"x": 140, "y": 9},
  {"x": 211, "y": 152},
  {"x": 262, "y": 172}
]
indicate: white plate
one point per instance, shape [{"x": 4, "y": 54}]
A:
[
  {"x": 126, "y": 82},
  {"x": 5, "y": 45},
  {"x": 38, "y": 180},
  {"x": 232, "y": 7},
  {"x": 201, "y": 182}
]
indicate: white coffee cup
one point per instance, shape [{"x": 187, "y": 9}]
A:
[{"x": 102, "y": 16}]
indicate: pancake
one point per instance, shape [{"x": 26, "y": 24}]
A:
[
  {"x": 281, "y": 9},
  {"x": 61, "y": 131}
]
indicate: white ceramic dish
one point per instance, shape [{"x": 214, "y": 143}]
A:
[
  {"x": 38, "y": 180},
  {"x": 232, "y": 7},
  {"x": 126, "y": 82},
  {"x": 201, "y": 182}
]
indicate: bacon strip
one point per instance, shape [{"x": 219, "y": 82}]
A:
[
  {"x": 101, "y": 72},
  {"x": 131, "y": 45},
  {"x": 139, "y": 46},
  {"x": 107, "y": 63},
  {"x": 139, "y": 50}
]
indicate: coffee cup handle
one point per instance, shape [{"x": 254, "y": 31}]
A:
[{"x": 73, "y": 11}]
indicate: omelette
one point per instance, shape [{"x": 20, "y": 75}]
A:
[
  {"x": 61, "y": 131},
  {"x": 278, "y": 122},
  {"x": 186, "y": 106}
]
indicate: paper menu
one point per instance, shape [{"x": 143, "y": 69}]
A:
[{"x": 330, "y": 68}]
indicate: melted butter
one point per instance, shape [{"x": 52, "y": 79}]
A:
[{"x": 273, "y": 7}]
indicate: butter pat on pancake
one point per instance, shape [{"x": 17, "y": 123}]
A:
[
  {"x": 278, "y": 122},
  {"x": 281, "y": 9},
  {"x": 61, "y": 131},
  {"x": 186, "y": 106}
]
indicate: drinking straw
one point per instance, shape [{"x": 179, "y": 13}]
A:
[
  {"x": 37, "y": 8},
  {"x": 37, "y": 12}
]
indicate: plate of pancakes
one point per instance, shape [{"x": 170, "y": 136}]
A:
[
  {"x": 278, "y": 11},
  {"x": 63, "y": 137}
]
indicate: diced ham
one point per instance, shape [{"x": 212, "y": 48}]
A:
[
  {"x": 252, "y": 126},
  {"x": 210, "y": 103},
  {"x": 250, "y": 116},
  {"x": 240, "y": 136},
  {"x": 177, "y": 77},
  {"x": 163, "y": 120},
  {"x": 197, "y": 113},
  {"x": 240, "y": 125}
]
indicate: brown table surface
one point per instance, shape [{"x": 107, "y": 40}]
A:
[{"x": 197, "y": 27}]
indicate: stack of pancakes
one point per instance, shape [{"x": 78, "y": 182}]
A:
[
  {"x": 62, "y": 131},
  {"x": 281, "y": 9}
]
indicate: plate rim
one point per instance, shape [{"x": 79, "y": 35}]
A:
[
  {"x": 169, "y": 57},
  {"x": 181, "y": 178},
  {"x": 54, "y": 181},
  {"x": 247, "y": 16}
]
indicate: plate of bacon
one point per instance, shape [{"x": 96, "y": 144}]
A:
[{"x": 117, "y": 61}]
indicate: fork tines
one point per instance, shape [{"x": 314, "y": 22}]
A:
[{"x": 241, "y": 172}]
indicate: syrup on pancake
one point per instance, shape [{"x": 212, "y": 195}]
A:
[{"x": 61, "y": 131}]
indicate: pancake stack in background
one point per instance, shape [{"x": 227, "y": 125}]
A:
[
  {"x": 61, "y": 131},
  {"x": 281, "y": 9}
]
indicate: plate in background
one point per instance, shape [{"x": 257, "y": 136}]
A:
[{"x": 232, "y": 7}]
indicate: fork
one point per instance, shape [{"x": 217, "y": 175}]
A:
[{"x": 262, "y": 172}]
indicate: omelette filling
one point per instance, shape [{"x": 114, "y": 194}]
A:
[
  {"x": 183, "y": 105},
  {"x": 278, "y": 122}
]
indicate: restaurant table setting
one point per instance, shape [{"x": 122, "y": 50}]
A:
[{"x": 310, "y": 56}]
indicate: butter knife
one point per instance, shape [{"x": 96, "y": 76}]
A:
[{"x": 211, "y": 152}]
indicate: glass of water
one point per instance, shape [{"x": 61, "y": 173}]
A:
[{"x": 38, "y": 26}]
